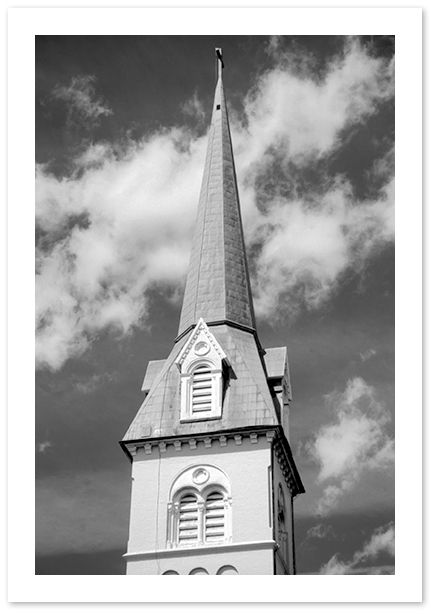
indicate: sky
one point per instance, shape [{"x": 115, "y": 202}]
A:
[{"x": 121, "y": 134}]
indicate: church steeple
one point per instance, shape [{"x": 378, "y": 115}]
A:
[
  {"x": 218, "y": 287},
  {"x": 213, "y": 474}
]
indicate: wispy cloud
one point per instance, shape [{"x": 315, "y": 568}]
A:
[
  {"x": 82, "y": 101},
  {"x": 321, "y": 530},
  {"x": 115, "y": 232},
  {"x": 122, "y": 220},
  {"x": 89, "y": 385},
  {"x": 381, "y": 541},
  {"x": 355, "y": 443},
  {"x": 194, "y": 108},
  {"x": 369, "y": 353},
  {"x": 44, "y": 446}
]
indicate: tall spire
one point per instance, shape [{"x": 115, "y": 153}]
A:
[{"x": 218, "y": 287}]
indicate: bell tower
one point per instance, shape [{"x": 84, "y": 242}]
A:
[{"x": 213, "y": 476}]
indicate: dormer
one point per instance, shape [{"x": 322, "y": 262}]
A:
[{"x": 201, "y": 365}]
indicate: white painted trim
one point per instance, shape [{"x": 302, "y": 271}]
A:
[{"x": 204, "y": 550}]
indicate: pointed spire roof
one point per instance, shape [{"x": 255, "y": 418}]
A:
[{"x": 218, "y": 287}]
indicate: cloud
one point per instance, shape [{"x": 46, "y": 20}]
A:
[
  {"x": 319, "y": 531},
  {"x": 355, "y": 443},
  {"x": 369, "y": 353},
  {"x": 303, "y": 114},
  {"x": 108, "y": 236},
  {"x": 87, "y": 386},
  {"x": 309, "y": 234},
  {"x": 194, "y": 108},
  {"x": 83, "y": 103},
  {"x": 307, "y": 245},
  {"x": 44, "y": 446},
  {"x": 121, "y": 221},
  {"x": 381, "y": 541}
]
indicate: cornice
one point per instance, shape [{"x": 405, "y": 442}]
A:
[{"x": 202, "y": 550}]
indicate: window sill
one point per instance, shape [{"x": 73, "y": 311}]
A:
[{"x": 193, "y": 419}]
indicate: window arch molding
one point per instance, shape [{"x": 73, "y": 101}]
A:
[
  {"x": 192, "y": 366},
  {"x": 199, "y": 507},
  {"x": 227, "y": 570},
  {"x": 199, "y": 572}
]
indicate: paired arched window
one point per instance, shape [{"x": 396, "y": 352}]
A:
[
  {"x": 199, "y": 508},
  {"x": 200, "y": 517}
]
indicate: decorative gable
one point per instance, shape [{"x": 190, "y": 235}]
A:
[{"x": 200, "y": 365}]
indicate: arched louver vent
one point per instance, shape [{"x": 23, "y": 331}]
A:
[
  {"x": 188, "y": 520},
  {"x": 214, "y": 517},
  {"x": 202, "y": 389}
]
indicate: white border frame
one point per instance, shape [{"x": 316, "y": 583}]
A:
[{"x": 405, "y": 23}]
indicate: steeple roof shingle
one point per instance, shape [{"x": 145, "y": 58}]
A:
[{"x": 218, "y": 286}]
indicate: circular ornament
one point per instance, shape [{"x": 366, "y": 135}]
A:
[
  {"x": 200, "y": 476},
  {"x": 201, "y": 348}
]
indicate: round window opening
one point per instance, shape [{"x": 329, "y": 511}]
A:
[
  {"x": 200, "y": 476},
  {"x": 201, "y": 348}
]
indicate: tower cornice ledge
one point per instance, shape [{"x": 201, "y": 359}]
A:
[
  {"x": 203, "y": 550},
  {"x": 273, "y": 434}
]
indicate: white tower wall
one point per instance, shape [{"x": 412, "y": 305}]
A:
[{"x": 247, "y": 466}]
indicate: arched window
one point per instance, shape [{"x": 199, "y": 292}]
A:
[
  {"x": 203, "y": 367},
  {"x": 199, "y": 508},
  {"x": 214, "y": 517},
  {"x": 227, "y": 571},
  {"x": 188, "y": 519},
  {"x": 283, "y": 528},
  {"x": 201, "y": 517},
  {"x": 199, "y": 572},
  {"x": 170, "y": 573},
  {"x": 201, "y": 392}
]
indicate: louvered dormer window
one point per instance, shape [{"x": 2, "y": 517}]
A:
[
  {"x": 201, "y": 391},
  {"x": 201, "y": 364}
]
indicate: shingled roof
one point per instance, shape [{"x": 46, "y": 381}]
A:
[
  {"x": 218, "y": 286},
  {"x": 247, "y": 401},
  {"x": 218, "y": 291}
]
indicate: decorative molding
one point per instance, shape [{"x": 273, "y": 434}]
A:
[
  {"x": 285, "y": 468},
  {"x": 207, "y": 441},
  {"x": 200, "y": 329},
  {"x": 270, "y": 435},
  {"x": 202, "y": 550}
]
